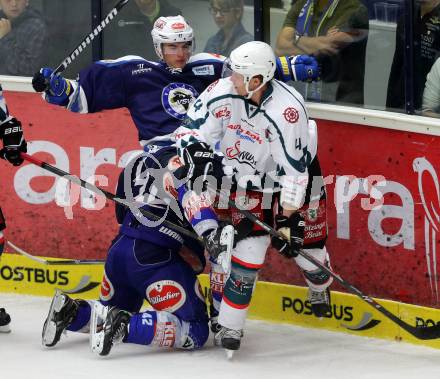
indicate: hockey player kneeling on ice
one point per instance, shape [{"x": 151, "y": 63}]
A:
[
  {"x": 143, "y": 262},
  {"x": 13, "y": 143},
  {"x": 260, "y": 128}
]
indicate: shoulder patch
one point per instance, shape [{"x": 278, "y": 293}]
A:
[{"x": 291, "y": 115}]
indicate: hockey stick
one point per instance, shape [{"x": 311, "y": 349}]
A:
[
  {"x": 53, "y": 261},
  {"x": 423, "y": 333},
  {"x": 90, "y": 37},
  {"x": 99, "y": 191}
]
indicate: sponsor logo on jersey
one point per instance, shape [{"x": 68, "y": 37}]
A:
[
  {"x": 166, "y": 295},
  {"x": 141, "y": 69},
  {"x": 207, "y": 69},
  {"x": 245, "y": 134},
  {"x": 165, "y": 334},
  {"x": 107, "y": 290},
  {"x": 241, "y": 156},
  {"x": 176, "y": 99},
  {"x": 217, "y": 280},
  {"x": 223, "y": 112},
  {"x": 291, "y": 115},
  {"x": 211, "y": 86}
]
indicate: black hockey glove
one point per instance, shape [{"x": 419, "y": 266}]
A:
[
  {"x": 199, "y": 161},
  {"x": 292, "y": 228},
  {"x": 13, "y": 141}
]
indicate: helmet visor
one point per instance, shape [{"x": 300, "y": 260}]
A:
[{"x": 227, "y": 69}]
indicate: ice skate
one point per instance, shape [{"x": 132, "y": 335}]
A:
[
  {"x": 109, "y": 327},
  {"x": 320, "y": 302},
  {"x": 62, "y": 312},
  {"x": 5, "y": 321},
  {"x": 229, "y": 339}
]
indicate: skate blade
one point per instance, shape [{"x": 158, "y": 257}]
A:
[
  {"x": 229, "y": 354},
  {"x": 50, "y": 327},
  {"x": 5, "y": 329},
  {"x": 98, "y": 316}
]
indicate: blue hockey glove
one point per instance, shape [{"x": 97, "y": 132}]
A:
[
  {"x": 57, "y": 88},
  {"x": 305, "y": 68},
  {"x": 292, "y": 228},
  {"x": 13, "y": 141}
]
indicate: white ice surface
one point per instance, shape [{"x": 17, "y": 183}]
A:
[{"x": 269, "y": 351}]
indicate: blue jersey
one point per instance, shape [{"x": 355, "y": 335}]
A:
[
  {"x": 143, "y": 181},
  {"x": 157, "y": 96}
]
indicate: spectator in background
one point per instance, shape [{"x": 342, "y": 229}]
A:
[
  {"x": 23, "y": 35},
  {"x": 431, "y": 94},
  {"x": 129, "y": 34},
  {"x": 335, "y": 32},
  {"x": 426, "y": 48},
  {"x": 227, "y": 15}
]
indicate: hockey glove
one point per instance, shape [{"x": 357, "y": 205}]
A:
[
  {"x": 57, "y": 88},
  {"x": 292, "y": 229},
  {"x": 13, "y": 141},
  {"x": 305, "y": 68},
  {"x": 199, "y": 162}
]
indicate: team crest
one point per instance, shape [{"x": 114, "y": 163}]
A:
[{"x": 176, "y": 99}]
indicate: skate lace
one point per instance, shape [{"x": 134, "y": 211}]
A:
[
  {"x": 318, "y": 297},
  {"x": 119, "y": 333},
  {"x": 231, "y": 333}
]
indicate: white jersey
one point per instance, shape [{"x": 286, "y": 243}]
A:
[{"x": 275, "y": 138}]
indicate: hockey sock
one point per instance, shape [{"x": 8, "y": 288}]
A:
[
  {"x": 198, "y": 210},
  {"x": 142, "y": 328},
  {"x": 82, "y": 317}
]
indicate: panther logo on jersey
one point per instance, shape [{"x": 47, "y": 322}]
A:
[{"x": 177, "y": 97}]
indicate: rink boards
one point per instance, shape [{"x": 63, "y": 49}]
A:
[{"x": 279, "y": 303}]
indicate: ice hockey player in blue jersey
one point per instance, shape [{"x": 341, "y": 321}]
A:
[
  {"x": 13, "y": 143},
  {"x": 143, "y": 262},
  {"x": 157, "y": 94}
]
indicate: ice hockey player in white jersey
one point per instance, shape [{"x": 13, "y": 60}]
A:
[
  {"x": 13, "y": 143},
  {"x": 261, "y": 130}
]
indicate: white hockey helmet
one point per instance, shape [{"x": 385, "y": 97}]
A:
[
  {"x": 169, "y": 30},
  {"x": 252, "y": 59}
]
